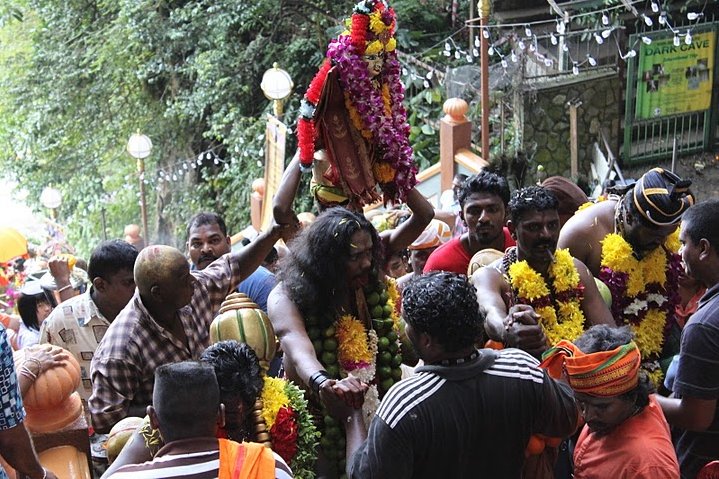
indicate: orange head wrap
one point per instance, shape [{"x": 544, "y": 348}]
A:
[{"x": 604, "y": 373}]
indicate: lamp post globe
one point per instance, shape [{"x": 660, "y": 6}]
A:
[
  {"x": 277, "y": 86},
  {"x": 139, "y": 147}
]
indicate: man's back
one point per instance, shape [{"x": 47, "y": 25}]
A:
[{"x": 467, "y": 420}]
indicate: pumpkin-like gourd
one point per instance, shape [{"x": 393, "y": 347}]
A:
[
  {"x": 455, "y": 110},
  {"x": 242, "y": 320},
  {"x": 54, "y": 385},
  {"x": 66, "y": 462},
  {"x": 54, "y": 418},
  {"x": 120, "y": 434}
]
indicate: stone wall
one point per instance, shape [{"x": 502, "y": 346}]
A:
[{"x": 544, "y": 119}]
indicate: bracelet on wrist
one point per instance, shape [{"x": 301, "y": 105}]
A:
[
  {"x": 317, "y": 379},
  {"x": 24, "y": 371},
  {"x": 67, "y": 286}
]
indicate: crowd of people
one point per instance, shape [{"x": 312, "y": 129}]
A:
[{"x": 529, "y": 333}]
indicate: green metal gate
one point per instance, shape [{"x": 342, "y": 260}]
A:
[{"x": 649, "y": 132}]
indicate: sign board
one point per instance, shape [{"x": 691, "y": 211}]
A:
[
  {"x": 275, "y": 139},
  {"x": 675, "y": 79}
]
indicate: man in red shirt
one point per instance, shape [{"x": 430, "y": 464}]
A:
[{"x": 483, "y": 198}]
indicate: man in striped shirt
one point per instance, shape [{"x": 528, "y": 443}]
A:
[
  {"x": 467, "y": 413},
  {"x": 186, "y": 409}
]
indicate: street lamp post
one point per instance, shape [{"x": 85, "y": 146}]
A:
[
  {"x": 484, "y": 7},
  {"x": 139, "y": 147},
  {"x": 277, "y": 86}
]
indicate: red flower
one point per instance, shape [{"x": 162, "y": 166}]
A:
[
  {"x": 360, "y": 25},
  {"x": 284, "y": 434}
]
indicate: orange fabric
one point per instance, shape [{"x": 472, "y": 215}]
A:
[
  {"x": 640, "y": 448},
  {"x": 248, "y": 460},
  {"x": 604, "y": 373}
]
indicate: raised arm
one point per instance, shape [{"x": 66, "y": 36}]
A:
[
  {"x": 422, "y": 213},
  {"x": 286, "y": 193}
]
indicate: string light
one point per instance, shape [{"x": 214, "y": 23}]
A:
[
  {"x": 575, "y": 68},
  {"x": 647, "y": 20},
  {"x": 552, "y": 38},
  {"x": 691, "y": 16},
  {"x": 521, "y": 45},
  {"x": 527, "y": 31},
  {"x": 490, "y": 50},
  {"x": 485, "y": 33},
  {"x": 607, "y": 32},
  {"x": 605, "y": 18},
  {"x": 591, "y": 60},
  {"x": 688, "y": 38},
  {"x": 662, "y": 18},
  {"x": 677, "y": 42},
  {"x": 513, "y": 57},
  {"x": 598, "y": 38},
  {"x": 655, "y": 7}
]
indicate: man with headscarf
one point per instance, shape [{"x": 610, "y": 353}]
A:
[
  {"x": 630, "y": 243},
  {"x": 569, "y": 195},
  {"x": 625, "y": 434},
  {"x": 434, "y": 235}
]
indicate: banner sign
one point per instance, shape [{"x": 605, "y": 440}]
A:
[{"x": 675, "y": 79}]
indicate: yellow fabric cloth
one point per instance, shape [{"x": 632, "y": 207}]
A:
[
  {"x": 248, "y": 460},
  {"x": 435, "y": 234}
]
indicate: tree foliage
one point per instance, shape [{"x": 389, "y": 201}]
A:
[{"x": 78, "y": 77}]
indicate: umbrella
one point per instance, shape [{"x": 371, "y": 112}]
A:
[{"x": 12, "y": 244}]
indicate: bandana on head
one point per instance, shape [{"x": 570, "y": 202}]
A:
[
  {"x": 604, "y": 373},
  {"x": 661, "y": 197},
  {"x": 436, "y": 233}
]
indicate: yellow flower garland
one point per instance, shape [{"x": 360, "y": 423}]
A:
[
  {"x": 618, "y": 255},
  {"x": 273, "y": 399},
  {"x": 566, "y": 321},
  {"x": 352, "y": 341}
]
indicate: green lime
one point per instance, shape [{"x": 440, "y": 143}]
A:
[
  {"x": 328, "y": 357},
  {"x": 377, "y": 311},
  {"x": 372, "y": 299},
  {"x": 396, "y": 374},
  {"x": 317, "y": 343},
  {"x": 384, "y": 372},
  {"x": 383, "y": 343},
  {"x": 333, "y": 370},
  {"x": 383, "y": 297},
  {"x": 333, "y": 433},
  {"x": 385, "y": 358},
  {"x": 341, "y": 443},
  {"x": 396, "y": 360},
  {"x": 314, "y": 332},
  {"x": 387, "y": 310},
  {"x": 329, "y": 332},
  {"x": 393, "y": 347},
  {"x": 392, "y": 336},
  {"x": 329, "y": 344},
  {"x": 330, "y": 421},
  {"x": 326, "y": 443},
  {"x": 386, "y": 384}
]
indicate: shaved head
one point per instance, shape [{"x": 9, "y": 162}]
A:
[{"x": 158, "y": 265}]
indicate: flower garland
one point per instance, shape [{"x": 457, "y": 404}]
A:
[
  {"x": 644, "y": 292},
  {"x": 561, "y": 317},
  {"x": 291, "y": 428},
  {"x": 347, "y": 347},
  {"x": 383, "y": 117}
]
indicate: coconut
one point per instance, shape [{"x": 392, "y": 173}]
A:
[{"x": 119, "y": 435}]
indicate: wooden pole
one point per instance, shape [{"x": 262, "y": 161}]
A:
[
  {"x": 484, "y": 7},
  {"x": 573, "y": 140}
]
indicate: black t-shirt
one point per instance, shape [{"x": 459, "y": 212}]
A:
[{"x": 465, "y": 421}]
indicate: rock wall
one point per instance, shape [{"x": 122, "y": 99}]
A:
[{"x": 545, "y": 119}]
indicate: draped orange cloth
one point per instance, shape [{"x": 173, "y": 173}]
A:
[
  {"x": 604, "y": 373},
  {"x": 245, "y": 461}
]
